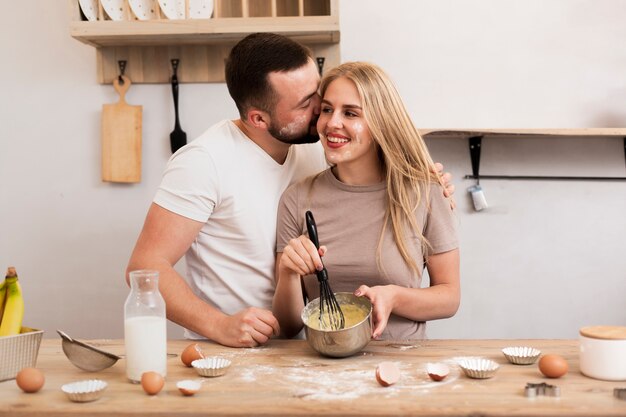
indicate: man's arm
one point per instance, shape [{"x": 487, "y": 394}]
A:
[{"x": 164, "y": 239}]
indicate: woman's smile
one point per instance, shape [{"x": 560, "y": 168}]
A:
[{"x": 336, "y": 140}]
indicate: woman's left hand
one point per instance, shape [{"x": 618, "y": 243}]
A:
[{"x": 382, "y": 299}]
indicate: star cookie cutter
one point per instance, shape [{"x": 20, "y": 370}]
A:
[{"x": 533, "y": 390}]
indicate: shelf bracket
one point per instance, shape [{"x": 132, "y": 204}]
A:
[{"x": 475, "y": 143}]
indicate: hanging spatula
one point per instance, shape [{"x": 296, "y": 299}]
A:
[{"x": 178, "y": 138}]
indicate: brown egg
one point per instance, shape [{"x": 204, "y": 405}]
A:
[
  {"x": 553, "y": 366},
  {"x": 191, "y": 353},
  {"x": 30, "y": 379},
  {"x": 152, "y": 382}
]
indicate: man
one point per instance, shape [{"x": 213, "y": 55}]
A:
[{"x": 219, "y": 195}]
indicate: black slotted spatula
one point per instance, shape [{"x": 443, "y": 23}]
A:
[{"x": 178, "y": 138}]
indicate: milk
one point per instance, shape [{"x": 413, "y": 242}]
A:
[{"x": 145, "y": 338}]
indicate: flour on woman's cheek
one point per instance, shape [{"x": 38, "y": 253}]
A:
[{"x": 358, "y": 128}]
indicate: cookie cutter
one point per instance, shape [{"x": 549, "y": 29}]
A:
[
  {"x": 619, "y": 393},
  {"x": 533, "y": 390}
]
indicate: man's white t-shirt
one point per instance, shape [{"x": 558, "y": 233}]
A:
[{"x": 228, "y": 182}]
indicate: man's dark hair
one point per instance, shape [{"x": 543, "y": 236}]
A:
[{"x": 252, "y": 59}]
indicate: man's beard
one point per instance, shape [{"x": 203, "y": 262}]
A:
[{"x": 295, "y": 138}]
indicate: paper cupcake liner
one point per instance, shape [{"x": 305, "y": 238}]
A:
[
  {"x": 84, "y": 391},
  {"x": 211, "y": 367},
  {"x": 521, "y": 355},
  {"x": 478, "y": 368}
]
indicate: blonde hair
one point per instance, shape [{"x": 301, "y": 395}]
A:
[{"x": 408, "y": 167}]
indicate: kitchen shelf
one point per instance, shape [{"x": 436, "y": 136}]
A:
[
  {"x": 475, "y": 136},
  {"x": 202, "y": 45},
  {"x": 467, "y": 133}
]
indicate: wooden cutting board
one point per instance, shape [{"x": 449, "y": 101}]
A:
[{"x": 121, "y": 138}]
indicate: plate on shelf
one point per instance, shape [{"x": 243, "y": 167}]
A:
[
  {"x": 200, "y": 9},
  {"x": 89, "y": 9},
  {"x": 173, "y": 9},
  {"x": 144, "y": 9},
  {"x": 114, "y": 9}
]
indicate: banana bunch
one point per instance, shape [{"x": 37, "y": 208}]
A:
[{"x": 11, "y": 304}]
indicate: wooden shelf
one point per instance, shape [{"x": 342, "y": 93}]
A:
[
  {"x": 307, "y": 29},
  {"x": 475, "y": 137},
  {"x": 467, "y": 133},
  {"x": 201, "y": 45}
]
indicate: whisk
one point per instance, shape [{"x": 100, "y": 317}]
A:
[{"x": 331, "y": 316}]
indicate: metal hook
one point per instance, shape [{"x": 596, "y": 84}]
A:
[
  {"x": 320, "y": 64},
  {"x": 175, "y": 66},
  {"x": 122, "y": 65}
]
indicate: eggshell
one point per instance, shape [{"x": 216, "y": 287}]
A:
[
  {"x": 30, "y": 380},
  {"x": 553, "y": 366},
  {"x": 152, "y": 382},
  {"x": 387, "y": 373},
  {"x": 191, "y": 353},
  {"x": 188, "y": 387},
  {"x": 437, "y": 371}
]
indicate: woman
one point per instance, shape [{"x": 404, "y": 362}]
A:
[{"x": 380, "y": 212}]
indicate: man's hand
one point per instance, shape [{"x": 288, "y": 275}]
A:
[
  {"x": 446, "y": 179},
  {"x": 248, "y": 328}
]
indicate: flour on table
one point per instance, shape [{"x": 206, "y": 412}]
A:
[{"x": 321, "y": 382}]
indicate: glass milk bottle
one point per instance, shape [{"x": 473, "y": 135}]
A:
[{"x": 145, "y": 334}]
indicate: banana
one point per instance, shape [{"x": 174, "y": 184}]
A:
[
  {"x": 3, "y": 293},
  {"x": 14, "y": 305}
]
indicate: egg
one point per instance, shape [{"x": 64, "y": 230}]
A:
[
  {"x": 152, "y": 382},
  {"x": 191, "y": 353},
  {"x": 553, "y": 366},
  {"x": 30, "y": 379}
]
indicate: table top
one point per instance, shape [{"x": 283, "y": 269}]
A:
[{"x": 287, "y": 378}]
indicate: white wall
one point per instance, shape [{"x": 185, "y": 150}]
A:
[{"x": 545, "y": 259}]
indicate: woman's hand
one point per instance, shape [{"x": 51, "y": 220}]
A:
[
  {"x": 302, "y": 257},
  {"x": 382, "y": 299}
]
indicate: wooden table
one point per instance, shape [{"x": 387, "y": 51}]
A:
[{"x": 288, "y": 378}]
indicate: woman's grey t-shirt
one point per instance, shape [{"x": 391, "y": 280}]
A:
[{"x": 349, "y": 221}]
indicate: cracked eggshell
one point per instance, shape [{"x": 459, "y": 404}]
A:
[
  {"x": 387, "y": 373},
  {"x": 437, "y": 371},
  {"x": 188, "y": 387},
  {"x": 191, "y": 353}
]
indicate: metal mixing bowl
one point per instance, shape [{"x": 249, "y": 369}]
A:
[{"x": 344, "y": 342}]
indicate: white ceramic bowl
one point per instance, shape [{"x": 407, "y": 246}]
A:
[{"x": 603, "y": 352}]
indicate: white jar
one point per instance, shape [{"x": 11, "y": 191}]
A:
[
  {"x": 145, "y": 332},
  {"x": 603, "y": 352}
]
